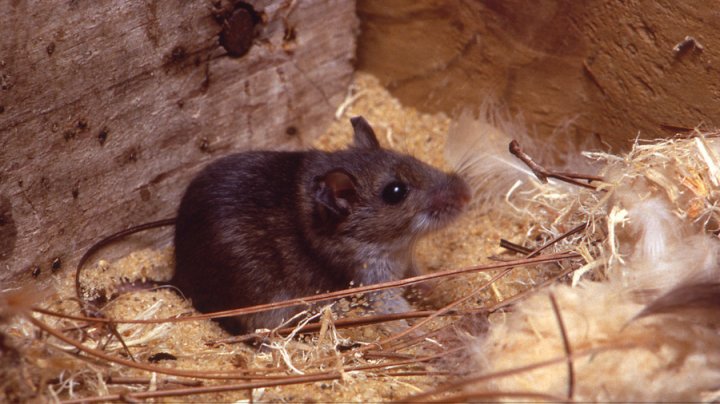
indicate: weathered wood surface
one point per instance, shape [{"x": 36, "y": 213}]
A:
[
  {"x": 585, "y": 68},
  {"x": 109, "y": 108}
]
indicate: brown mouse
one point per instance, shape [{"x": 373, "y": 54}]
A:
[{"x": 266, "y": 226}]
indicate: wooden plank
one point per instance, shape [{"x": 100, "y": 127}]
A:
[
  {"x": 580, "y": 69},
  {"x": 109, "y": 107}
]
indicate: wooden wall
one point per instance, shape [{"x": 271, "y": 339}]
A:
[
  {"x": 107, "y": 108},
  {"x": 592, "y": 70}
]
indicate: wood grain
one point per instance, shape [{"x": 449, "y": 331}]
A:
[{"x": 109, "y": 108}]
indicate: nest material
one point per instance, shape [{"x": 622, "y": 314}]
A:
[
  {"x": 648, "y": 291},
  {"x": 625, "y": 258}
]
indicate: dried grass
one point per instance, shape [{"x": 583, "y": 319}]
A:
[{"x": 650, "y": 245}]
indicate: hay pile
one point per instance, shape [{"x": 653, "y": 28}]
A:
[{"x": 609, "y": 253}]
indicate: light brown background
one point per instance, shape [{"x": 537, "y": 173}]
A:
[{"x": 590, "y": 67}]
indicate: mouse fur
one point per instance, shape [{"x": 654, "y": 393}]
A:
[{"x": 265, "y": 226}]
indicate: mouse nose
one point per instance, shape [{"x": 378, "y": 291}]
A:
[
  {"x": 454, "y": 193},
  {"x": 462, "y": 190}
]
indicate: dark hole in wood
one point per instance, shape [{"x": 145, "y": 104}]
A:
[
  {"x": 238, "y": 30},
  {"x": 204, "y": 145},
  {"x": 102, "y": 136},
  {"x": 56, "y": 264}
]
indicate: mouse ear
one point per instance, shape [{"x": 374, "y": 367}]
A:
[
  {"x": 364, "y": 135},
  {"x": 335, "y": 194}
]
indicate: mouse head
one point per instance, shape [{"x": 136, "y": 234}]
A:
[{"x": 375, "y": 195}]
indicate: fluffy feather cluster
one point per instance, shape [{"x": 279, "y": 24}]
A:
[{"x": 641, "y": 316}]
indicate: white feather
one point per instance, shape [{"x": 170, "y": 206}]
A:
[
  {"x": 663, "y": 250},
  {"x": 477, "y": 148},
  {"x": 655, "y": 227}
]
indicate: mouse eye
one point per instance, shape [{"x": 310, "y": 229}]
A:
[{"x": 394, "y": 192}]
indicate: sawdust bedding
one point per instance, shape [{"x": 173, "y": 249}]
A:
[{"x": 616, "y": 261}]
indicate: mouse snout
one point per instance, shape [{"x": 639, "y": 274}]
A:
[
  {"x": 461, "y": 189},
  {"x": 453, "y": 195}
]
